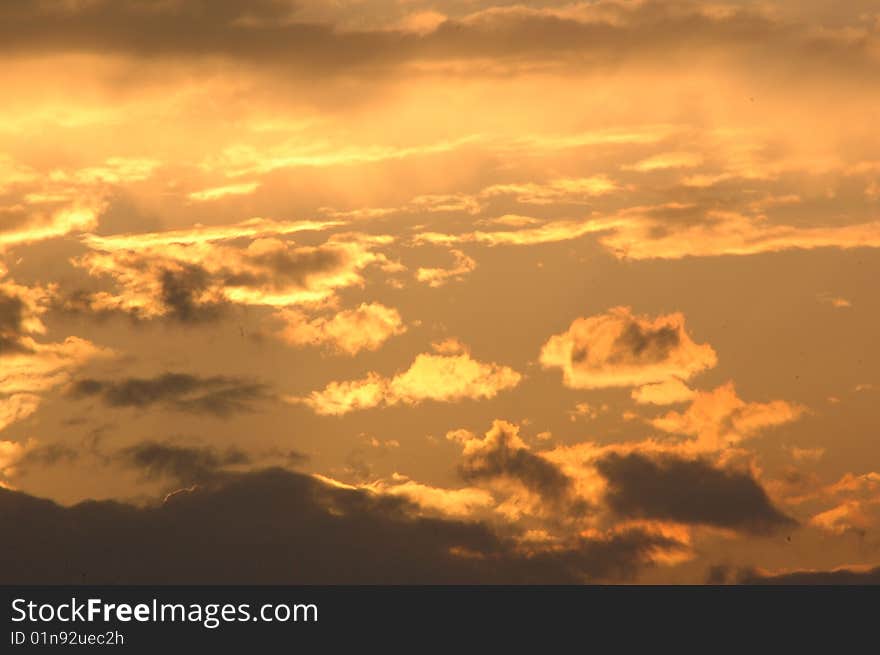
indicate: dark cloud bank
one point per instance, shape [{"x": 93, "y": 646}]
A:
[
  {"x": 217, "y": 395},
  {"x": 266, "y": 31},
  {"x": 276, "y": 526},
  {"x": 749, "y": 576},
  {"x": 689, "y": 491}
]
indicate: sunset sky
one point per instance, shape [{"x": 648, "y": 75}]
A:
[{"x": 454, "y": 291}]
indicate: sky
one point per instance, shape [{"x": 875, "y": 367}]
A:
[{"x": 402, "y": 291}]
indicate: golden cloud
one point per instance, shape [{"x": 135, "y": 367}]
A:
[
  {"x": 461, "y": 502},
  {"x": 441, "y": 378},
  {"x": 437, "y": 277},
  {"x": 620, "y": 349},
  {"x": 729, "y": 233},
  {"x": 546, "y": 232},
  {"x": 849, "y": 516},
  {"x": 719, "y": 418},
  {"x": 191, "y": 274},
  {"x": 366, "y": 327},
  {"x": 558, "y": 190},
  {"x": 29, "y": 368},
  {"x": 668, "y": 392},
  {"x": 216, "y": 193},
  {"x": 31, "y": 226}
]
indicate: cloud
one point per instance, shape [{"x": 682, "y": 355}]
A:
[
  {"x": 115, "y": 170},
  {"x": 190, "y": 276},
  {"x": 183, "y": 464},
  {"x": 638, "y": 234},
  {"x": 242, "y": 160},
  {"x": 20, "y": 310},
  {"x": 280, "y": 527},
  {"x": 186, "y": 295},
  {"x": 561, "y": 190},
  {"x": 666, "y": 160},
  {"x": 442, "y": 378},
  {"x": 668, "y": 392},
  {"x": 850, "y": 516},
  {"x": 218, "y": 395},
  {"x": 350, "y": 331},
  {"x": 464, "y": 502},
  {"x": 839, "y": 576},
  {"x": 581, "y": 36},
  {"x": 216, "y": 193},
  {"x": 835, "y": 301},
  {"x": 851, "y": 504},
  {"x": 502, "y": 454},
  {"x": 18, "y": 458},
  {"x": 27, "y": 226},
  {"x": 253, "y": 228},
  {"x": 56, "y": 202},
  {"x": 11, "y": 453},
  {"x": 728, "y": 233},
  {"x": 720, "y": 418},
  {"x": 688, "y": 491},
  {"x": 545, "y": 232},
  {"x": 620, "y": 349},
  {"x": 29, "y": 368},
  {"x": 437, "y": 277},
  {"x": 586, "y": 411}
]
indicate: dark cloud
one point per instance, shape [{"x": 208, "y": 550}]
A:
[
  {"x": 266, "y": 32},
  {"x": 217, "y": 395},
  {"x": 718, "y": 574},
  {"x": 46, "y": 455},
  {"x": 835, "y": 577},
  {"x": 688, "y": 491},
  {"x": 535, "y": 472},
  {"x": 12, "y": 315},
  {"x": 283, "y": 267},
  {"x": 500, "y": 457},
  {"x": 180, "y": 295},
  {"x": 279, "y": 527},
  {"x": 640, "y": 345},
  {"x": 185, "y": 464}
]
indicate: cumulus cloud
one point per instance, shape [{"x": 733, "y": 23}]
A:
[
  {"x": 502, "y": 454},
  {"x": 849, "y": 505},
  {"x": 621, "y": 349},
  {"x": 719, "y": 418},
  {"x": 442, "y": 378},
  {"x": 349, "y": 331},
  {"x": 688, "y": 491},
  {"x": 217, "y": 395}
]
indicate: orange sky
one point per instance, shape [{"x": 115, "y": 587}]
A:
[{"x": 593, "y": 283}]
